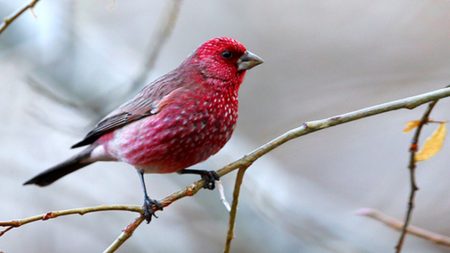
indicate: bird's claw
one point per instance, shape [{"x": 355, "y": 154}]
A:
[
  {"x": 210, "y": 177},
  {"x": 150, "y": 207}
]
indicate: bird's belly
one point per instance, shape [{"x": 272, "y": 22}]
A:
[{"x": 167, "y": 144}]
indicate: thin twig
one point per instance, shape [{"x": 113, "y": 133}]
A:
[
  {"x": 412, "y": 175},
  {"x": 5, "y": 230},
  {"x": 158, "y": 40},
  {"x": 81, "y": 211},
  {"x": 47, "y": 92},
  {"x": 399, "y": 225},
  {"x": 233, "y": 212},
  {"x": 7, "y": 21},
  {"x": 126, "y": 233},
  {"x": 304, "y": 129}
]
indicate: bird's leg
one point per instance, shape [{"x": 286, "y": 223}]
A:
[
  {"x": 150, "y": 205},
  {"x": 210, "y": 176}
]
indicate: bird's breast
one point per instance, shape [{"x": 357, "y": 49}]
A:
[{"x": 184, "y": 133}]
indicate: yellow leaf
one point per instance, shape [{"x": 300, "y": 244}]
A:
[
  {"x": 433, "y": 143},
  {"x": 411, "y": 125}
]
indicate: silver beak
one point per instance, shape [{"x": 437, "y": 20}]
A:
[{"x": 248, "y": 60}]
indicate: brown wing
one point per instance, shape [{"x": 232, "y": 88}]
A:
[
  {"x": 144, "y": 104},
  {"x": 109, "y": 124}
]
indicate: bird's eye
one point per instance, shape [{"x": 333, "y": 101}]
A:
[{"x": 227, "y": 54}]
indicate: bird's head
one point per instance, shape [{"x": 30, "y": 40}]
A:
[{"x": 225, "y": 59}]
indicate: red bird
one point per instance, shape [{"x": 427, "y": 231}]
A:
[{"x": 180, "y": 119}]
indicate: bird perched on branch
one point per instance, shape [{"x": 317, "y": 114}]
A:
[{"x": 180, "y": 119}]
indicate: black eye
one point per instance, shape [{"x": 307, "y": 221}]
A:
[{"x": 227, "y": 54}]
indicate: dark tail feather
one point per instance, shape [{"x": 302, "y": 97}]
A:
[{"x": 60, "y": 170}]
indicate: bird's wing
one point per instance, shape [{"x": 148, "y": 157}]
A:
[{"x": 146, "y": 103}]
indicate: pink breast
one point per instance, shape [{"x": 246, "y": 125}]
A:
[{"x": 179, "y": 136}]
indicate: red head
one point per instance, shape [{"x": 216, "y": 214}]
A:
[{"x": 224, "y": 59}]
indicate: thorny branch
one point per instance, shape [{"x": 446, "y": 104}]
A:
[
  {"x": 398, "y": 225},
  {"x": 412, "y": 167},
  {"x": 247, "y": 160},
  {"x": 8, "y": 21}
]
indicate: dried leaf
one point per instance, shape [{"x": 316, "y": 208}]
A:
[
  {"x": 411, "y": 125},
  {"x": 433, "y": 143}
]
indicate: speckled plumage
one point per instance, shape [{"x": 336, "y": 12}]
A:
[
  {"x": 178, "y": 120},
  {"x": 192, "y": 127},
  {"x": 195, "y": 118}
]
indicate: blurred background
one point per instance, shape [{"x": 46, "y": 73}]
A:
[{"x": 63, "y": 70}]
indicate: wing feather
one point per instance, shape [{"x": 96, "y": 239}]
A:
[{"x": 144, "y": 104}]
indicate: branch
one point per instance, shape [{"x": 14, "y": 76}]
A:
[
  {"x": 398, "y": 225},
  {"x": 163, "y": 32},
  {"x": 247, "y": 160},
  {"x": 232, "y": 221},
  {"x": 81, "y": 211},
  {"x": 412, "y": 167},
  {"x": 309, "y": 127},
  {"x": 126, "y": 233},
  {"x": 7, "y": 21}
]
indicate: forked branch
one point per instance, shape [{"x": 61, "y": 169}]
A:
[
  {"x": 412, "y": 175},
  {"x": 247, "y": 160}
]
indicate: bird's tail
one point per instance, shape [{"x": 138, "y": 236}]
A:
[{"x": 60, "y": 170}]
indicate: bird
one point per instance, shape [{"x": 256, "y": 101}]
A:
[{"x": 178, "y": 120}]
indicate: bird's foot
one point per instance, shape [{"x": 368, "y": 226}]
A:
[
  {"x": 210, "y": 177},
  {"x": 150, "y": 207}
]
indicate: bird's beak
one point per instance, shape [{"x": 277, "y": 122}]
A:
[{"x": 248, "y": 60}]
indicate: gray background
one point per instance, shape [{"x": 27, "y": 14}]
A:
[{"x": 321, "y": 58}]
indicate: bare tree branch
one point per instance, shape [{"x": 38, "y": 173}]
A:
[
  {"x": 126, "y": 233},
  {"x": 7, "y": 21},
  {"x": 54, "y": 214},
  {"x": 163, "y": 32},
  {"x": 398, "y": 225},
  {"x": 247, "y": 160},
  {"x": 412, "y": 167},
  {"x": 233, "y": 212}
]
